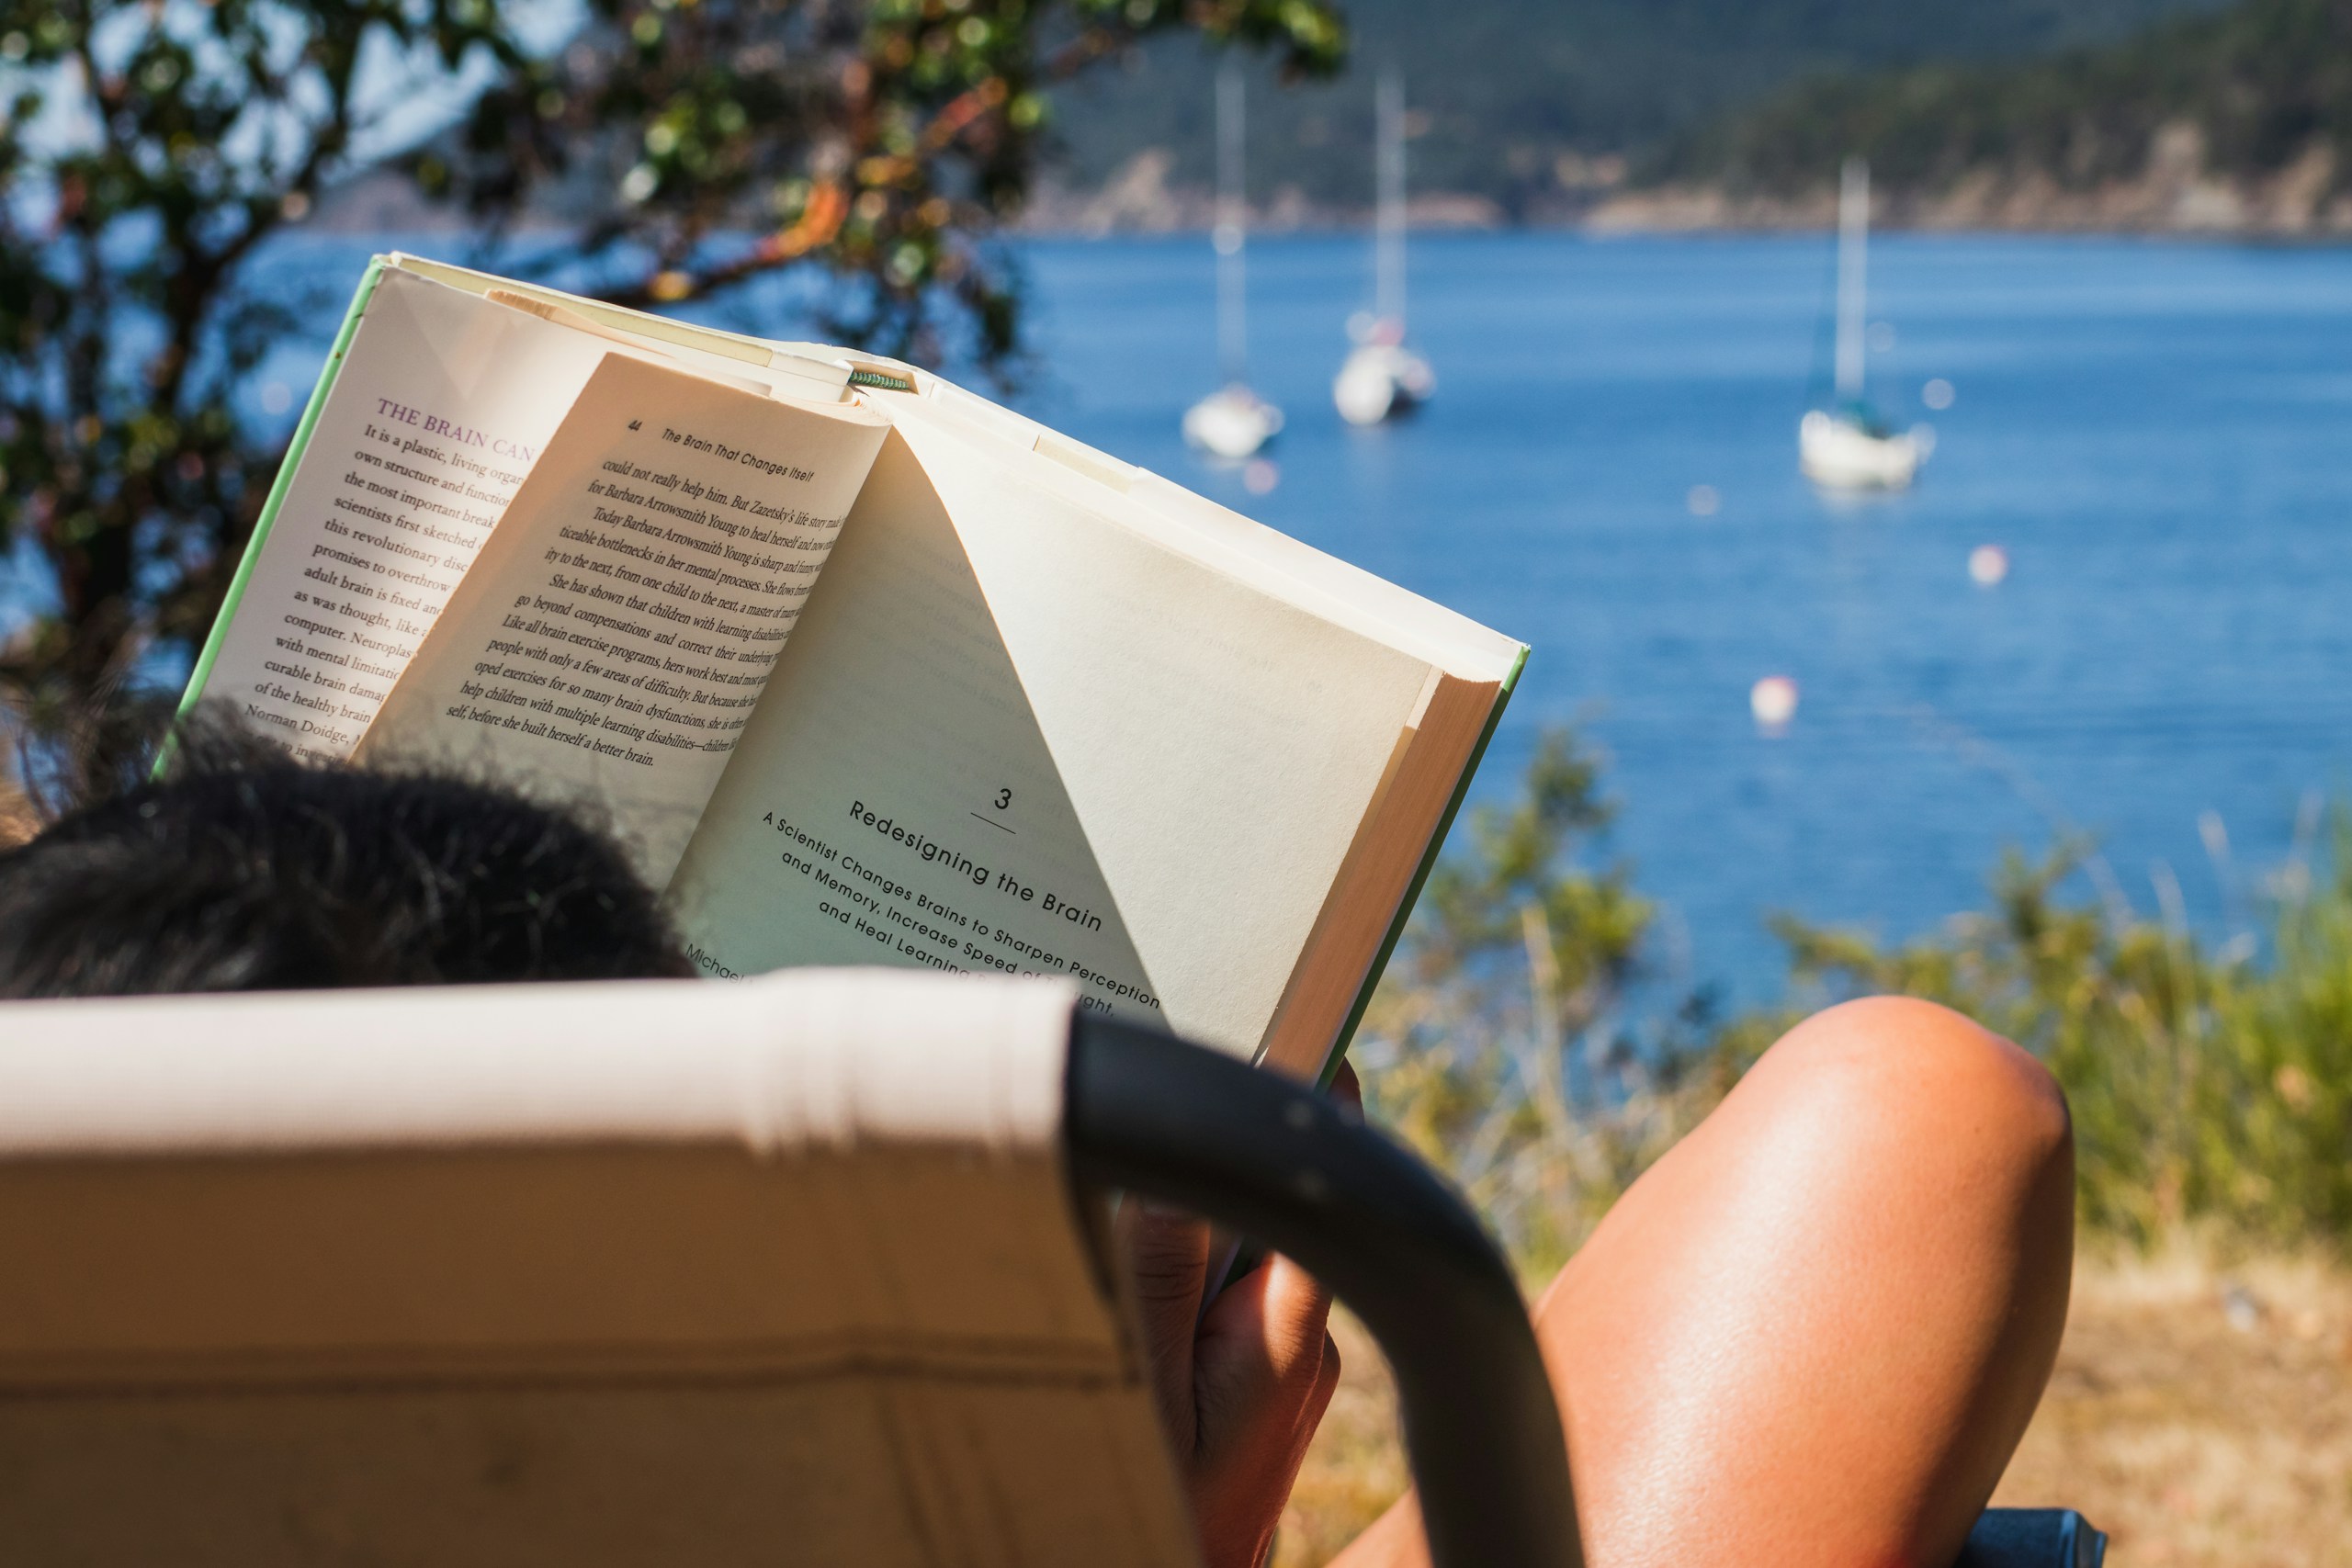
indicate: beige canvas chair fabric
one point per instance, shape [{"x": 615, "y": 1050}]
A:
[{"x": 780, "y": 1272}]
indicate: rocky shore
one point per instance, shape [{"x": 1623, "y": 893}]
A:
[
  {"x": 2176, "y": 192},
  {"x": 1140, "y": 198}
]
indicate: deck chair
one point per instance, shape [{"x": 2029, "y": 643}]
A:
[{"x": 809, "y": 1269}]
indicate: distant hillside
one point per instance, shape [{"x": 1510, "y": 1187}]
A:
[
  {"x": 2240, "y": 120},
  {"x": 1524, "y": 103}
]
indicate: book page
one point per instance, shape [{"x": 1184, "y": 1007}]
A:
[
  {"x": 816, "y": 372},
  {"x": 895, "y": 801},
  {"x": 613, "y": 638},
  {"x": 443, "y": 403},
  {"x": 1220, "y": 536},
  {"x": 1182, "y": 760}
]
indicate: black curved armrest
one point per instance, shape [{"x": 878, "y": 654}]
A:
[{"x": 1148, "y": 1113}]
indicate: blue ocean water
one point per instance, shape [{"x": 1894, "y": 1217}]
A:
[{"x": 2158, "y": 434}]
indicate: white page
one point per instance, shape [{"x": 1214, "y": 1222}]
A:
[
  {"x": 611, "y": 641},
  {"x": 814, "y": 372},
  {"x": 1198, "y": 750},
  {"x": 1225, "y": 538},
  {"x": 374, "y": 533},
  {"x": 896, "y": 708}
]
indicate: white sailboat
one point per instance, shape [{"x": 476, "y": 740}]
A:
[
  {"x": 1849, "y": 445},
  {"x": 1381, "y": 377},
  {"x": 1233, "y": 421}
]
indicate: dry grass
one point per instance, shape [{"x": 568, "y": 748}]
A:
[
  {"x": 1356, "y": 1467},
  {"x": 2201, "y": 1414}
]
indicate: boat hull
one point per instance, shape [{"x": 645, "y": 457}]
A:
[
  {"x": 1380, "y": 382},
  {"x": 1837, "y": 453},
  {"x": 1233, "y": 423}
]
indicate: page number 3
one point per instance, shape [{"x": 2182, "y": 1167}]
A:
[{"x": 1003, "y": 799}]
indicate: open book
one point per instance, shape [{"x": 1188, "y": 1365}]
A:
[{"x": 862, "y": 668}]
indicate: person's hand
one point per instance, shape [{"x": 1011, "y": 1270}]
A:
[{"x": 1241, "y": 1390}]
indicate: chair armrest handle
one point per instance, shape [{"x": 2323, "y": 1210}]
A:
[
  {"x": 1151, "y": 1115},
  {"x": 2033, "y": 1538}
]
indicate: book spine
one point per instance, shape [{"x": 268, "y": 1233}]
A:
[
  {"x": 276, "y": 497},
  {"x": 1428, "y": 864}
]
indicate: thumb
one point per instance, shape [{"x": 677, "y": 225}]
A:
[{"x": 1348, "y": 1091}]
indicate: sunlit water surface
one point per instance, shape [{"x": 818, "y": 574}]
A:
[{"x": 2158, "y": 435}]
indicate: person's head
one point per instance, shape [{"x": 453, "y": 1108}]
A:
[{"x": 246, "y": 869}]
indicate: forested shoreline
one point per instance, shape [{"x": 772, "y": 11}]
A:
[
  {"x": 2141, "y": 117},
  {"x": 2240, "y": 120}
]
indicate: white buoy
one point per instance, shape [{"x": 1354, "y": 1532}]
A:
[
  {"x": 1773, "y": 701},
  {"x": 1987, "y": 565},
  {"x": 1703, "y": 500}
]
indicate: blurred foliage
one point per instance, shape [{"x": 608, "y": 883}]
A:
[
  {"x": 1517, "y": 1038},
  {"x": 1520, "y": 1042},
  {"x": 2263, "y": 84},
  {"x": 876, "y": 136},
  {"x": 679, "y": 147}
]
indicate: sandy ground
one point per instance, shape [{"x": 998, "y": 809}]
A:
[{"x": 2201, "y": 1415}]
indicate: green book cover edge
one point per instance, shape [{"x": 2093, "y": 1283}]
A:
[
  {"x": 276, "y": 497},
  {"x": 1428, "y": 864}
]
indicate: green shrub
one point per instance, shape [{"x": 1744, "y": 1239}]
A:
[
  {"x": 1518, "y": 1040},
  {"x": 2206, "y": 1087},
  {"x": 1515, "y": 1044}
]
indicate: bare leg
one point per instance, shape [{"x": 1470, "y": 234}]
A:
[{"x": 1814, "y": 1332}]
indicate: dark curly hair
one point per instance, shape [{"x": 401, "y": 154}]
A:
[{"x": 244, "y": 869}]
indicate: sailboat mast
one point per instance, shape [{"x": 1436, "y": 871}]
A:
[
  {"x": 1232, "y": 227},
  {"x": 1853, "y": 265},
  {"x": 1389, "y": 251}
]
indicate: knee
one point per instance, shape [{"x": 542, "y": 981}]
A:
[{"x": 1931, "y": 1079}]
